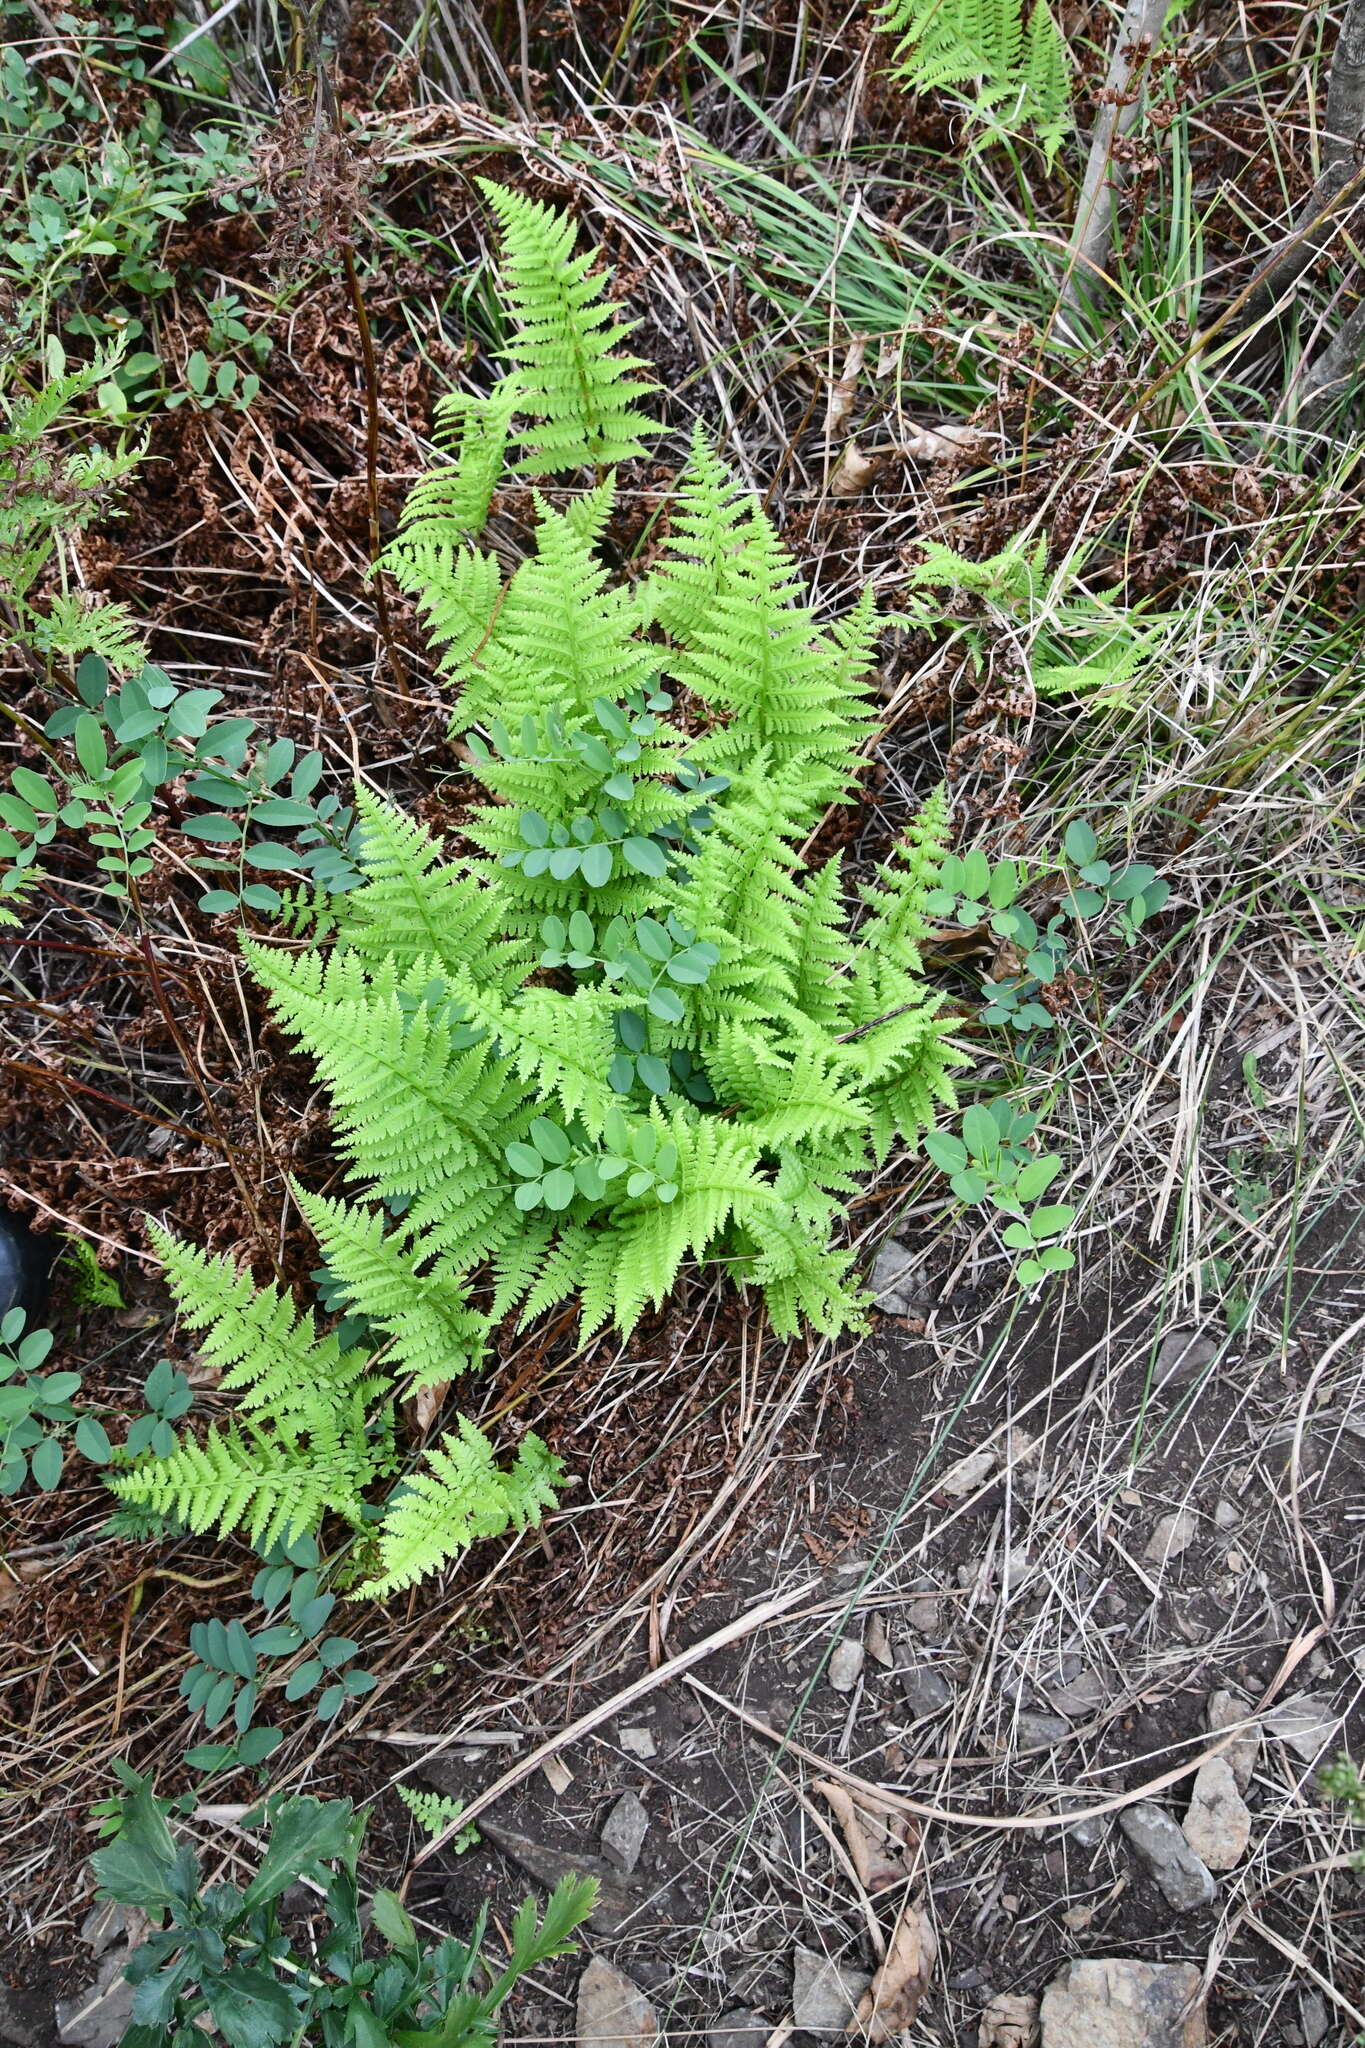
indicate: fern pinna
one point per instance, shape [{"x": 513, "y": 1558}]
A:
[{"x": 630, "y": 1026}]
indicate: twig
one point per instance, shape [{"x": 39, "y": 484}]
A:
[
  {"x": 1120, "y": 102},
  {"x": 1342, "y": 125}
]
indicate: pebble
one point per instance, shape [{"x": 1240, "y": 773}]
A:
[
  {"x": 893, "y": 1279},
  {"x": 1082, "y": 1697},
  {"x": 1226, "y": 1516},
  {"x": 1091, "y": 1828},
  {"x": 1224, "y": 1710},
  {"x": 740, "y": 2028},
  {"x": 612, "y": 2012},
  {"x": 1040, "y": 1731},
  {"x": 1218, "y": 1823},
  {"x": 1172, "y": 1534},
  {"x": 638, "y": 1742},
  {"x": 1184, "y": 1881},
  {"x": 1009, "y": 2021},
  {"x": 1183, "y": 1356},
  {"x": 100, "y": 2015},
  {"x": 926, "y": 1690},
  {"x": 878, "y": 1642},
  {"x": 623, "y": 1836},
  {"x": 923, "y": 1617},
  {"x": 558, "y": 1776},
  {"x": 1115, "y": 2003},
  {"x": 825, "y": 1994},
  {"x": 1306, "y": 1723},
  {"x": 1313, "y": 2013},
  {"x": 846, "y": 1664}
]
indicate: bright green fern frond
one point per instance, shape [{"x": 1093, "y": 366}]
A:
[
  {"x": 460, "y": 1497},
  {"x": 413, "y": 907},
  {"x": 785, "y": 688},
  {"x": 447, "y": 507},
  {"x": 434, "y": 1334},
  {"x": 1021, "y": 69},
  {"x": 562, "y": 638},
  {"x": 1045, "y": 93},
  {"x": 637, "y": 1260},
  {"x": 458, "y": 592},
  {"x": 896, "y": 898},
  {"x": 821, "y": 944},
  {"x": 564, "y": 1043},
  {"x": 710, "y": 521},
  {"x": 580, "y": 390},
  {"x": 249, "y": 1479},
  {"x": 740, "y": 894},
  {"x": 255, "y": 1339},
  {"x": 417, "y": 1103}
]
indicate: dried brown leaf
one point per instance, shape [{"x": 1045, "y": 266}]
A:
[
  {"x": 883, "y": 1846},
  {"x": 891, "y": 2003},
  {"x": 853, "y": 472},
  {"x": 840, "y": 402}
]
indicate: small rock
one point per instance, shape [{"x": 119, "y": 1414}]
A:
[
  {"x": 26, "y": 2019},
  {"x": 877, "y": 1642},
  {"x": 968, "y": 1473},
  {"x": 1218, "y": 1824},
  {"x": 1313, "y": 2013},
  {"x": 558, "y": 1776},
  {"x": 1183, "y": 1356},
  {"x": 1119, "y": 2004},
  {"x": 615, "y": 1901},
  {"x": 623, "y": 1836},
  {"x": 1226, "y": 1516},
  {"x": 923, "y": 1617},
  {"x": 845, "y": 1664},
  {"x": 741, "y": 2028},
  {"x": 926, "y": 1690},
  {"x": 1225, "y": 1710},
  {"x": 638, "y": 1742},
  {"x": 1185, "y": 1883},
  {"x": 1082, "y": 1697},
  {"x": 1040, "y": 1731},
  {"x": 1088, "y": 1829},
  {"x": 1009, "y": 2021},
  {"x": 1306, "y": 1723},
  {"x": 612, "y": 2012},
  {"x": 1172, "y": 1534},
  {"x": 108, "y": 1922},
  {"x": 893, "y": 1280},
  {"x": 825, "y": 1994},
  {"x": 99, "y": 2016}
]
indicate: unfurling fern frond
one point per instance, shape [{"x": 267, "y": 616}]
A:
[
  {"x": 573, "y": 382},
  {"x": 460, "y": 1496}
]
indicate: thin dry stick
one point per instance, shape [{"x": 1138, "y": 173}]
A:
[
  {"x": 1120, "y": 104},
  {"x": 1342, "y": 125}
]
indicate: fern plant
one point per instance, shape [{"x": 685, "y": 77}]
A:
[
  {"x": 630, "y": 1028},
  {"x": 1010, "y": 51},
  {"x": 1078, "y": 643}
]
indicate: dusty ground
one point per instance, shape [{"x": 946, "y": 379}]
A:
[{"x": 1026, "y": 1649}]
